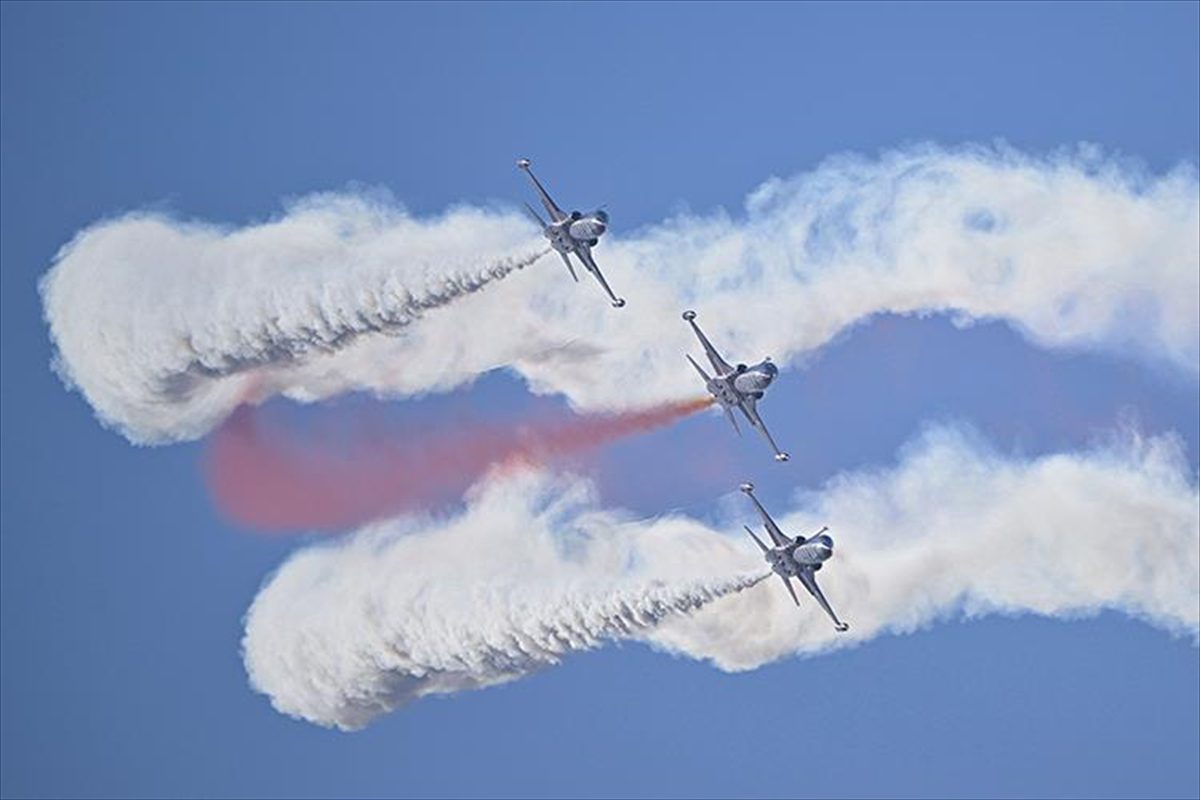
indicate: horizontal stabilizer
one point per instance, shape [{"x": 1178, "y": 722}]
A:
[
  {"x": 791, "y": 590},
  {"x": 732, "y": 420},
  {"x": 570, "y": 268},
  {"x": 757, "y": 540},
  {"x": 700, "y": 369}
]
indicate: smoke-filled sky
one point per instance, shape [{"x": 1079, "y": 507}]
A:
[{"x": 282, "y": 247}]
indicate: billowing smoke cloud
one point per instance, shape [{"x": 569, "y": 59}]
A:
[
  {"x": 160, "y": 323},
  {"x": 167, "y": 326},
  {"x": 265, "y": 479},
  {"x": 529, "y": 574},
  {"x": 532, "y": 572}
]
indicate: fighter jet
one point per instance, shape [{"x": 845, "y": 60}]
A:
[
  {"x": 736, "y": 387},
  {"x": 799, "y": 557},
  {"x": 571, "y": 233}
]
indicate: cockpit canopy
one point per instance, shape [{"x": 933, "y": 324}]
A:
[{"x": 602, "y": 215}]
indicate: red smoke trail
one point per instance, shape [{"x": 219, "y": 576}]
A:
[{"x": 261, "y": 479}]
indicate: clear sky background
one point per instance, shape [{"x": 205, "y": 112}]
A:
[{"x": 123, "y": 590}]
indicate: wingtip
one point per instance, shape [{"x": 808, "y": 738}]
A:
[
  {"x": 842, "y": 627},
  {"x": 747, "y": 487},
  {"x": 523, "y": 163},
  {"x": 781, "y": 457},
  {"x": 619, "y": 302},
  {"x": 689, "y": 315}
]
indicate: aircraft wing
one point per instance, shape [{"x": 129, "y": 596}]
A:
[
  {"x": 749, "y": 407},
  {"x": 556, "y": 213},
  {"x": 777, "y": 536},
  {"x": 585, "y": 255},
  {"x": 809, "y": 579},
  {"x": 719, "y": 364}
]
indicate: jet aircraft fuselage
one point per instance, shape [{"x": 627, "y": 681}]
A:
[
  {"x": 567, "y": 235},
  {"x": 573, "y": 234},
  {"x": 736, "y": 387},
  {"x": 743, "y": 381},
  {"x": 797, "y": 557},
  {"x": 790, "y": 560}
]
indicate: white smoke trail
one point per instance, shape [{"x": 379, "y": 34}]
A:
[
  {"x": 346, "y": 632},
  {"x": 152, "y": 318},
  {"x": 387, "y": 310},
  {"x": 1075, "y": 250},
  {"x": 532, "y": 571}
]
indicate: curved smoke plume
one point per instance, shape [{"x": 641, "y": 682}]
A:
[
  {"x": 161, "y": 323},
  {"x": 532, "y": 571},
  {"x": 164, "y": 325},
  {"x": 343, "y": 633}
]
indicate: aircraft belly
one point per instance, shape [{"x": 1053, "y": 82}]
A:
[
  {"x": 724, "y": 392},
  {"x": 560, "y": 245},
  {"x": 785, "y": 566}
]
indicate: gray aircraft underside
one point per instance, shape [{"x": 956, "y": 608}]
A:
[
  {"x": 739, "y": 387},
  {"x": 798, "y": 558},
  {"x": 573, "y": 233}
]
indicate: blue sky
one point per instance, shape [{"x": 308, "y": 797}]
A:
[{"x": 123, "y": 590}]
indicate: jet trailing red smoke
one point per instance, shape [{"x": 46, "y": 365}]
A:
[{"x": 267, "y": 480}]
